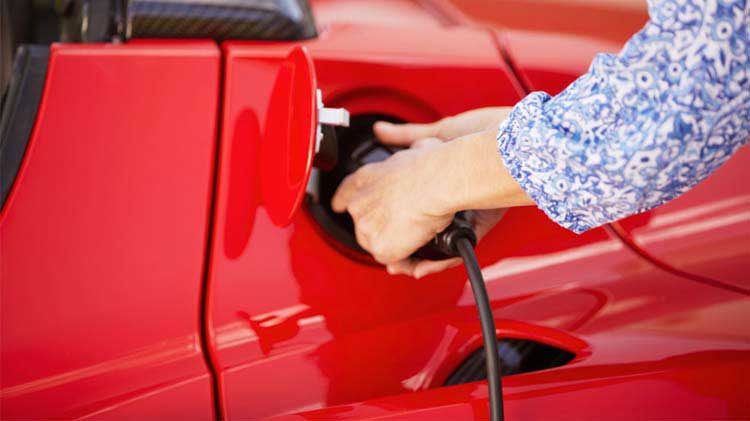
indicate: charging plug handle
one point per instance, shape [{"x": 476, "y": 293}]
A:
[{"x": 445, "y": 244}]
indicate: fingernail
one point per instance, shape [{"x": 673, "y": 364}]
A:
[{"x": 384, "y": 125}]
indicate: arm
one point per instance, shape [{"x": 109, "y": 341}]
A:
[
  {"x": 641, "y": 127},
  {"x": 637, "y": 130}
]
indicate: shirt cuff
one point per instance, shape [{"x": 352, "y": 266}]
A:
[{"x": 530, "y": 161}]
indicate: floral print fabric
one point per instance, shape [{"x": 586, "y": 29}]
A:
[{"x": 643, "y": 126}]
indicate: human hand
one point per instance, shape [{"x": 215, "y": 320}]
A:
[
  {"x": 401, "y": 203},
  {"x": 483, "y": 220},
  {"x": 448, "y": 128},
  {"x": 444, "y": 129},
  {"x": 392, "y": 203}
]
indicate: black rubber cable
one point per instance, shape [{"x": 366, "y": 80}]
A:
[
  {"x": 459, "y": 239},
  {"x": 466, "y": 250}
]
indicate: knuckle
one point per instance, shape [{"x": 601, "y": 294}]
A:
[
  {"x": 428, "y": 141},
  {"x": 382, "y": 252},
  {"x": 358, "y": 181},
  {"x": 376, "y": 249},
  {"x": 361, "y": 239},
  {"x": 355, "y": 210},
  {"x": 367, "y": 227},
  {"x": 442, "y": 127},
  {"x": 364, "y": 173}
]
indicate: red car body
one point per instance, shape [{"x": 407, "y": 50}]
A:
[{"x": 157, "y": 263}]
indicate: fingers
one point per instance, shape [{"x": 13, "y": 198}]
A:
[
  {"x": 448, "y": 128},
  {"x": 425, "y": 142},
  {"x": 402, "y": 267},
  {"x": 403, "y": 134},
  {"x": 426, "y": 267},
  {"x": 420, "y": 268},
  {"x": 362, "y": 239},
  {"x": 345, "y": 192}
]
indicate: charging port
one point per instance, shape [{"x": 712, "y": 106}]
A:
[{"x": 357, "y": 146}]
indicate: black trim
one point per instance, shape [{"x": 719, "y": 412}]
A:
[
  {"x": 90, "y": 20},
  {"x": 220, "y": 19},
  {"x": 517, "y": 356},
  {"x": 19, "y": 111}
]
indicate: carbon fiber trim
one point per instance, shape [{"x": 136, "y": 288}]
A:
[{"x": 220, "y": 19}]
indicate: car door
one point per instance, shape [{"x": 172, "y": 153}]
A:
[
  {"x": 705, "y": 233},
  {"x": 299, "y": 320},
  {"x": 103, "y": 233}
]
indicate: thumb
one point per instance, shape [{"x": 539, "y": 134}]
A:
[
  {"x": 426, "y": 267},
  {"x": 403, "y": 134}
]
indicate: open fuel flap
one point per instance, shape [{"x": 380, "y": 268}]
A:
[{"x": 296, "y": 131}]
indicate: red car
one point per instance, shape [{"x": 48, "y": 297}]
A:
[{"x": 167, "y": 250}]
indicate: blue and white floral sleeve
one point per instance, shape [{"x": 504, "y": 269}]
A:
[{"x": 643, "y": 126}]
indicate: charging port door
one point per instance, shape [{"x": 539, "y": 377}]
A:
[
  {"x": 272, "y": 108},
  {"x": 287, "y": 125}
]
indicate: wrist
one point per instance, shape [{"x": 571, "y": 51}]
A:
[{"x": 468, "y": 173}]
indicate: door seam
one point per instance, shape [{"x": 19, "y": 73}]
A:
[{"x": 214, "y": 371}]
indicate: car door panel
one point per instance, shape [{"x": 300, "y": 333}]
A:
[
  {"x": 103, "y": 235},
  {"x": 706, "y": 231},
  {"x": 272, "y": 284}
]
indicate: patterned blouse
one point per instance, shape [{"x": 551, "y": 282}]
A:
[{"x": 643, "y": 126}]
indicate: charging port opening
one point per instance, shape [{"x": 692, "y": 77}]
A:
[
  {"x": 357, "y": 146},
  {"x": 517, "y": 356}
]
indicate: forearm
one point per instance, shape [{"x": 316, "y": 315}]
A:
[
  {"x": 468, "y": 173},
  {"x": 641, "y": 127}
]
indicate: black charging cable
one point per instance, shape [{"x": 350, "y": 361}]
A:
[
  {"x": 466, "y": 249},
  {"x": 459, "y": 239}
]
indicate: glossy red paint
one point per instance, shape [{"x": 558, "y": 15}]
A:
[
  {"x": 266, "y": 281},
  {"x": 294, "y": 324},
  {"x": 613, "y": 21},
  {"x": 411, "y": 72},
  {"x": 293, "y": 317},
  {"x": 399, "y": 13},
  {"x": 706, "y": 231},
  {"x": 692, "y": 385},
  {"x": 288, "y": 145},
  {"x": 103, "y": 237},
  {"x": 339, "y": 331},
  {"x": 550, "y": 61},
  {"x": 550, "y": 44}
]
